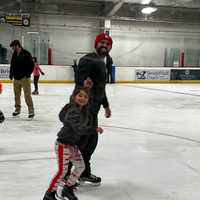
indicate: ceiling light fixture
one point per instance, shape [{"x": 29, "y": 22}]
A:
[
  {"x": 33, "y": 32},
  {"x": 145, "y": 2},
  {"x": 148, "y": 10}
]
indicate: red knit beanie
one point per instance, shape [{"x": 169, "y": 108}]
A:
[{"x": 103, "y": 36}]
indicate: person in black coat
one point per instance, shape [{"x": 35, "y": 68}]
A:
[
  {"x": 109, "y": 64},
  {"x": 74, "y": 66},
  {"x": 21, "y": 69}
]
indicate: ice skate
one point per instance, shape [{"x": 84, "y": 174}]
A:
[
  {"x": 35, "y": 92},
  {"x": 2, "y": 118},
  {"x": 91, "y": 180},
  {"x": 66, "y": 194},
  {"x": 16, "y": 113},
  {"x": 49, "y": 195},
  {"x": 31, "y": 115}
]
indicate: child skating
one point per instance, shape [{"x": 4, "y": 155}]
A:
[
  {"x": 77, "y": 121},
  {"x": 36, "y": 75}
]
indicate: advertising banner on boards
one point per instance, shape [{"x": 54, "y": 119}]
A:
[
  {"x": 185, "y": 74},
  {"x": 4, "y": 72},
  {"x": 152, "y": 74}
]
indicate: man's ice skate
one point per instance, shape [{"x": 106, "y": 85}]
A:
[
  {"x": 16, "y": 113},
  {"x": 35, "y": 92},
  {"x": 49, "y": 196},
  {"x": 66, "y": 194},
  {"x": 90, "y": 180},
  {"x": 31, "y": 115}
]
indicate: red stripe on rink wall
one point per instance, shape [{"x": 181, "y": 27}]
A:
[
  {"x": 182, "y": 59},
  {"x": 49, "y": 56}
]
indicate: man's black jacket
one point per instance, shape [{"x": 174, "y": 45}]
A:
[
  {"x": 21, "y": 65},
  {"x": 93, "y": 66}
]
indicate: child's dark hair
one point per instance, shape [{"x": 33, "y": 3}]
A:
[{"x": 78, "y": 90}]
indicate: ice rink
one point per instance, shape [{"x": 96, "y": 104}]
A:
[{"x": 149, "y": 149}]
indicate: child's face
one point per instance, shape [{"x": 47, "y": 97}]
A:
[{"x": 81, "y": 98}]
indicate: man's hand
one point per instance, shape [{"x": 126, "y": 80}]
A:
[
  {"x": 88, "y": 83},
  {"x": 99, "y": 130},
  {"x": 107, "y": 112}
]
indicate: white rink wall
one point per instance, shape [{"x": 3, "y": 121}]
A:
[
  {"x": 52, "y": 73},
  {"x": 65, "y": 74}
]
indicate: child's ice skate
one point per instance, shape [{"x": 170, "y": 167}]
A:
[
  {"x": 35, "y": 92},
  {"x": 66, "y": 194},
  {"x": 50, "y": 195}
]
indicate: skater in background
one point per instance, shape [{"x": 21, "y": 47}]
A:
[
  {"x": 36, "y": 75},
  {"x": 21, "y": 68},
  {"x": 74, "y": 66},
  {"x": 91, "y": 73},
  {"x": 77, "y": 120},
  {"x": 2, "y": 118},
  {"x": 109, "y": 64}
]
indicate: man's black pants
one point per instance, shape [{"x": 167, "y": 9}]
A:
[{"x": 88, "y": 143}]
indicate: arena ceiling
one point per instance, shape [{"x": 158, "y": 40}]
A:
[{"x": 183, "y": 11}]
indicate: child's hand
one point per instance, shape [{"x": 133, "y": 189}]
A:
[{"x": 99, "y": 130}]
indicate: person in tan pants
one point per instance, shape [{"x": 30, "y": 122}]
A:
[{"x": 20, "y": 69}]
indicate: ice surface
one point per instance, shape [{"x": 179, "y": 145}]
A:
[{"x": 149, "y": 149}]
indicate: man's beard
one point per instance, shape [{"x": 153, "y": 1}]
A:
[{"x": 102, "y": 51}]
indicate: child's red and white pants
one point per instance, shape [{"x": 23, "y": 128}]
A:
[{"x": 65, "y": 154}]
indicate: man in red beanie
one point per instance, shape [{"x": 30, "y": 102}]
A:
[{"x": 91, "y": 73}]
